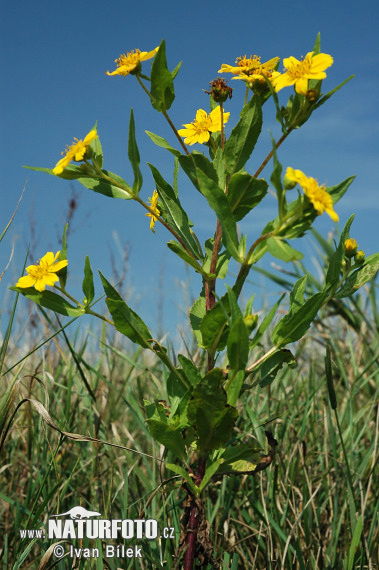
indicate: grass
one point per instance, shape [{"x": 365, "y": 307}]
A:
[{"x": 73, "y": 432}]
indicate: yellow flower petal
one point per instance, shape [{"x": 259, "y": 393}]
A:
[
  {"x": 76, "y": 152},
  {"x": 128, "y": 62},
  {"x": 198, "y": 131},
  {"x": 43, "y": 273},
  {"x": 317, "y": 195},
  {"x": 298, "y": 72}
]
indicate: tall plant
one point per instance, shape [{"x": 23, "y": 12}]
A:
[{"x": 197, "y": 422}]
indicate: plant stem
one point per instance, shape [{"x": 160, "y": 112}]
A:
[
  {"x": 270, "y": 154},
  {"x": 165, "y": 114},
  {"x": 193, "y": 522}
]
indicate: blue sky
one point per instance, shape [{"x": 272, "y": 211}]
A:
[{"x": 53, "y": 61}]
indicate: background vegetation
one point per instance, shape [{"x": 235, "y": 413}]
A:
[{"x": 316, "y": 507}]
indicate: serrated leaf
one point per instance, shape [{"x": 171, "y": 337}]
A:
[
  {"x": 51, "y": 301},
  {"x": 134, "y": 156},
  {"x": 162, "y": 84},
  {"x": 87, "y": 286},
  {"x": 360, "y": 276},
  {"x": 209, "y": 414},
  {"x": 126, "y": 321},
  {"x": 244, "y": 193},
  {"x": 189, "y": 369},
  {"x": 175, "y": 216},
  {"x": 282, "y": 250},
  {"x": 243, "y": 137}
]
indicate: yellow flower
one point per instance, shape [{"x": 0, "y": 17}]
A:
[
  {"x": 351, "y": 247},
  {"x": 321, "y": 200},
  {"x": 44, "y": 273},
  {"x": 298, "y": 72},
  {"x": 76, "y": 152},
  {"x": 128, "y": 63},
  {"x": 198, "y": 131},
  {"x": 153, "y": 206},
  {"x": 251, "y": 69}
]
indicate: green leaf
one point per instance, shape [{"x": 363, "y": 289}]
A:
[
  {"x": 183, "y": 473},
  {"x": 175, "y": 216},
  {"x": 160, "y": 141},
  {"x": 210, "y": 471},
  {"x": 133, "y": 154},
  {"x": 354, "y": 544},
  {"x": 183, "y": 254},
  {"x": 168, "y": 435},
  {"x": 296, "y": 323},
  {"x": 212, "y": 326},
  {"x": 270, "y": 367},
  {"x": 317, "y": 46},
  {"x": 199, "y": 172},
  {"x": 196, "y": 315},
  {"x": 243, "y": 137},
  {"x": 88, "y": 287},
  {"x": 162, "y": 84},
  {"x": 126, "y": 321},
  {"x": 282, "y": 250},
  {"x": 115, "y": 188},
  {"x": 197, "y": 162},
  {"x": 97, "y": 151},
  {"x": 233, "y": 385},
  {"x": 175, "y": 71},
  {"x": 222, "y": 260},
  {"x": 360, "y": 276},
  {"x": 334, "y": 269},
  {"x": 209, "y": 414},
  {"x": 244, "y": 193},
  {"x": 241, "y": 458},
  {"x": 190, "y": 370},
  {"x": 238, "y": 345},
  {"x": 50, "y": 301}
]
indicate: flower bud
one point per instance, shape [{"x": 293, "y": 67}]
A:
[
  {"x": 351, "y": 247},
  {"x": 220, "y": 91},
  {"x": 288, "y": 183},
  {"x": 344, "y": 264},
  {"x": 312, "y": 95},
  {"x": 251, "y": 322},
  {"x": 359, "y": 257}
]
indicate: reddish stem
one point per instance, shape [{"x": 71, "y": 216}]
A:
[{"x": 193, "y": 522}]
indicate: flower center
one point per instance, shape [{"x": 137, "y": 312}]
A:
[
  {"x": 250, "y": 62},
  {"x": 202, "y": 125},
  {"x": 38, "y": 272},
  {"x": 131, "y": 58},
  {"x": 300, "y": 69}
]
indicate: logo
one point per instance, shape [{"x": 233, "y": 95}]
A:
[{"x": 78, "y": 513}]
